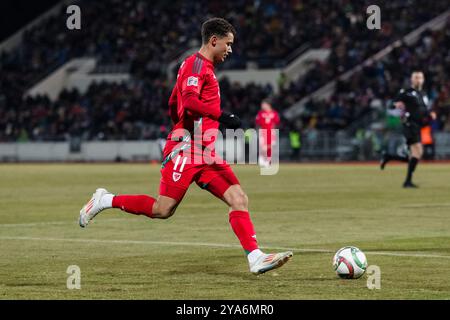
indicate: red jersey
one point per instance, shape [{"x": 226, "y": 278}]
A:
[
  {"x": 194, "y": 107},
  {"x": 195, "y": 103},
  {"x": 268, "y": 119}
]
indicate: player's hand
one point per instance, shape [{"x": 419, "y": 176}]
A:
[
  {"x": 230, "y": 120},
  {"x": 399, "y": 105},
  {"x": 433, "y": 115}
]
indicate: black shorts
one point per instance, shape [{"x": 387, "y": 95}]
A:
[{"x": 411, "y": 131}]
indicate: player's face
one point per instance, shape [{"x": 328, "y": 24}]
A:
[
  {"x": 266, "y": 106},
  {"x": 417, "y": 80},
  {"x": 222, "y": 47}
]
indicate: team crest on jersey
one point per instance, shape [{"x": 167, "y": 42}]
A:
[
  {"x": 176, "y": 176},
  {"x": 192, "y": 81}
]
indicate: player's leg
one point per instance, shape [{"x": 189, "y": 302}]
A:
[
  {"x": 242, "y": 225},
  {"x": 176, "y": 176},
  {"x": 413, "y": 139},
  {"x": 271, "y": 142},
  {"x": 410, "y": 134},
  {"x": 224, "y": 185},
  {"x": 416, "y": 154},
  {"x": 238, "y": 214},
  {"x": 160, "y": 208},
  {"x": 269, "y": 153},
  {"x": 263, "y": 148},
  {"x": 385, "y": 158},
  {"x": 175, "y": 181}
]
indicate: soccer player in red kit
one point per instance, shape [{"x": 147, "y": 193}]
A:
[
  {"x": 194, "y": 107},
  {"x": 267, "y": 119}
]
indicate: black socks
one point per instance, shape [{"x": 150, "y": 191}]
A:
[{"x": 411, "y": 167}]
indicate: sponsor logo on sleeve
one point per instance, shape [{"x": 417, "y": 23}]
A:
[{"x": 192, "y": 81}]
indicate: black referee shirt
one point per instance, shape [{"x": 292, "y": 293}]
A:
[{"x": 416, "y": 108}]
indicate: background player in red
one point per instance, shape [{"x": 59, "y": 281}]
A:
[
  {"x": 267, "y": 120},
  {"x": 194, "y": 107}
]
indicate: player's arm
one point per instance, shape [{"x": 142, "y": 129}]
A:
[
  {"x": 191, "y": 101},
  {"x": 433, "y": 114},
  {"x": 400, "y": 100},
  {"x": 277, "y": 120},
  {"x": 173, "y": 97},
  {"x": 258, "y": 120},
  {"x": 399, "y": 105},
  {"x": 173, "y": 105}
]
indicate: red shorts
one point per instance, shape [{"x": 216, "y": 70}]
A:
[{"x": 177, "y": 175}]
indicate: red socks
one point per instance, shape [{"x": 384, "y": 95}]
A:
[
  {"x": 135, "y": 204},
  {"x": 244, "y": 230}
]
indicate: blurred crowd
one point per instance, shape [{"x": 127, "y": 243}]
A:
[
  {"x": 351, "y": 42},
  {"x": 143, "y": 37},
  {"x": 378, "y": 82},
  {"x": 106, "y": 111}
]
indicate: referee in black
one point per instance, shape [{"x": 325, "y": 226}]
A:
[{"x": 414, "y": 109}]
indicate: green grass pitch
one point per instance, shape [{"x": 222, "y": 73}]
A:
[{"x": 314, "y": 209}]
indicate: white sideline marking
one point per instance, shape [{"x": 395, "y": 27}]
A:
[
  {"x": 220, "y": 245},
  {"x": 413, "y": 255},
  {"x": 48, "y": 223}
]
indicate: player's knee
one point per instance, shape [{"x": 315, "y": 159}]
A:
[
  {"x": 239, "y": 201},
  {"x": 164, "y": 211},
  {"x": 417, "y": 151}
]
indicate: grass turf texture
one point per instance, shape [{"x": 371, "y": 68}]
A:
[{"x": 320, "y": 207}]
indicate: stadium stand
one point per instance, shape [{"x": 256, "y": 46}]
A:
[{"x": 137, "y": 110}]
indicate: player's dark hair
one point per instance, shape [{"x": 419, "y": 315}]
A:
[
  {"x": 267, "y": 100},
  {"x": 216, "y": 27}
]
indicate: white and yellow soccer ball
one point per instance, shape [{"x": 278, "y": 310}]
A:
[{"x": 349, "y": 263}]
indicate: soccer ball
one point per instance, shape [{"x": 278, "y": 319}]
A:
[{"x": 349, "y": 263}]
